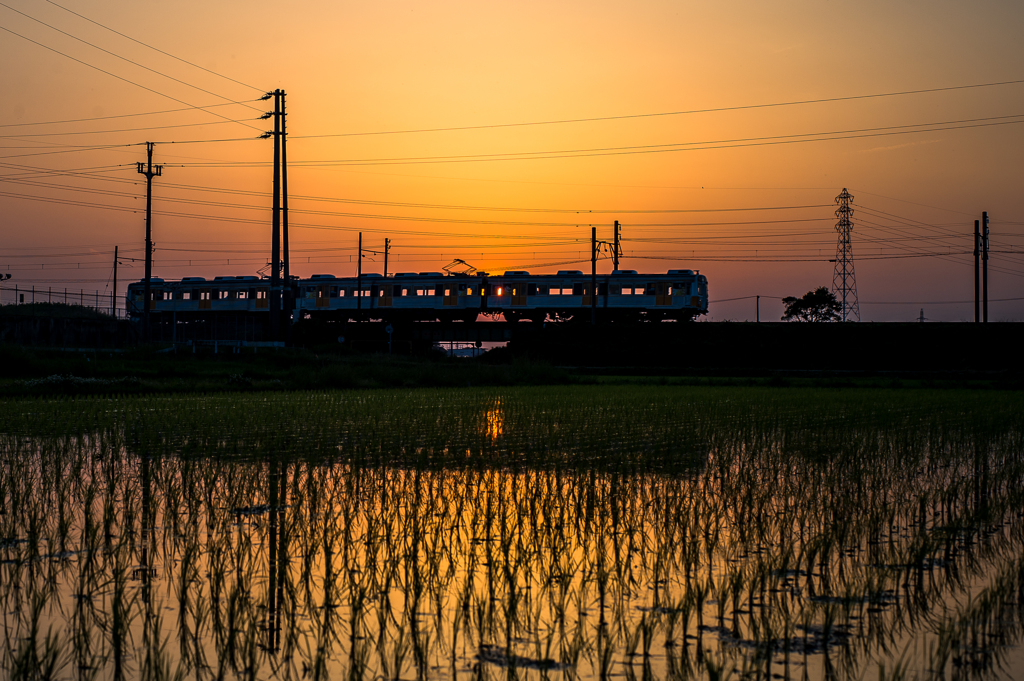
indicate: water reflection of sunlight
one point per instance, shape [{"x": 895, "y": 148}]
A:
[{"x": 494, "y": 420}]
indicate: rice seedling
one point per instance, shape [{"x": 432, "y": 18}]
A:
[{"x": 529, "y": 533}]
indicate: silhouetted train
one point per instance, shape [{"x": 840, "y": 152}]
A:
[{"x": 624, "y": 295}]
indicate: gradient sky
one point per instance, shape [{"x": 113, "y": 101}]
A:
[{"x": 396, "y": 66}]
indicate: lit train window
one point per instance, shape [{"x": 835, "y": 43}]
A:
[
  {"x": 260, "y": 295},
  {"x": 187, "y": 295},
  {"x": 566, "y": 291},
  {"x": 469, "y": 291},
  {"x": 242, "y": 295},
  {"x": 499, "y": 291},
  {"x": 627, "y": 291},
  {"x": 554, "y": 291}
]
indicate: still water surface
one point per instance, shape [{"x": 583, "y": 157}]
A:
[{"x": 526, "y": 533}]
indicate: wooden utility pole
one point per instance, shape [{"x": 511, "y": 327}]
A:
[
  {"x": 977, "y": 272},
  {"x": 275, "y": 237},
  {"x": 984, "y": 265},
  {"x": 359, "y": 275},
  {"x": 615, "y": 248},
  {"x": 387, "y": 247},
  {"x": 593, "y": 276},
  {"x": 150, "y": 171},
  {"x": 288, "y": 293},
  {"x": 113, "y": 296}
]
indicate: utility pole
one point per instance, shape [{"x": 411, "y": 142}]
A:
[
  {"x": 977, "y": 273},
  {"x": 150, "y": 171},
  {"x": 757, "y": 309},
  {"x": 275, "y": 237},
  {"x": 113, "y": 297},
  {"x": 359, "y": 275},
  {"x": 615, "y": 248},
  {"x": 984, "y": 264},
  {"x": 593, "y": 276},
  {"x": 288, "y": 293},
  {"x": 387, "y": 247}
]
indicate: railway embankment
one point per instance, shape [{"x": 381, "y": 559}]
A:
[{"x": 751, "y": 347}]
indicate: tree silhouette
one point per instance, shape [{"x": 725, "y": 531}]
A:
[{"x": 819, "y": 305}]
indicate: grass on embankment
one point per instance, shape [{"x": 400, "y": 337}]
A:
[
  {"x": 32, "y": 371},
  {"x": 27, "y": 371}
]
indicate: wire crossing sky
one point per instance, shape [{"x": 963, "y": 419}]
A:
[{"x": 719, "y": 137}]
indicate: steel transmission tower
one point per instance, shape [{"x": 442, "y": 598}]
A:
[{"x": 844, "y": 281}]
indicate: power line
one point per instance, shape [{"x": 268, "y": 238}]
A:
[
  {"x": 107, "y": 132},
  {"x": 771, "y": 140},
  {"x": 121, "y": 78},
  {"x": 669, "y": 113},
  {"x": 131, "y": 115},
  {"x": 168, "y": 54},
  {"x": 114, "y": 54}
]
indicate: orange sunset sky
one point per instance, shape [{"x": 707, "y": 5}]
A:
[{"x": 744, "y": 193}]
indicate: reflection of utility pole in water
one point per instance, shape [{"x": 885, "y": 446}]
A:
[
  {"x": 277, "y": 564},
  {"x": 145, "y": 572}
]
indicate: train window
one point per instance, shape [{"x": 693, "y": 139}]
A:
[
  {"x": 243, "y": 295},
  {"x": 531, "y": 289},
  {"x": 650, "y": 289},
  {"x": 554, "y": 291},
  {"x": 469, "y": 290},
  {"x": 186, "y": 295},
  {"x": 405, "y": 291},
  {"x": 462, "y": 287},
  {"x": 438, "y": 290},
  {"x": 499, "y": 291},
  {"x": 577, "y": 289},
  {"x": 627, "y": 291}
]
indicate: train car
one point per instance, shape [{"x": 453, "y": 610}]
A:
[{"x": 623, "y": 295}]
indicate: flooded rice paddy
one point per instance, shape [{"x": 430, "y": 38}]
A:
[{"x": 538, "y": 533}]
